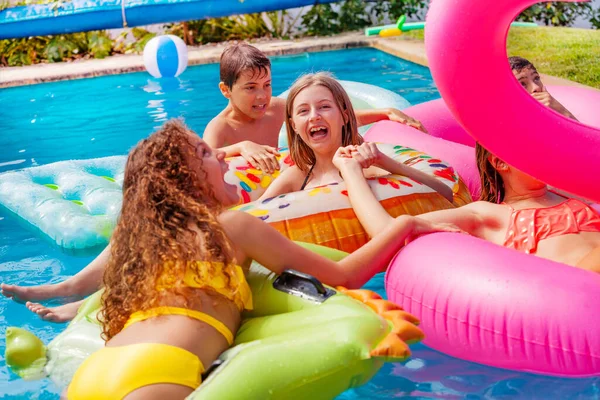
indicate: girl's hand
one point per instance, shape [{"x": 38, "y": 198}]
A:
[
  {"x": 399, "y": 116},
  {"x": 366, "y": 154},
  {"x": 342, "y": 159},
  {"x": 423, "y": 227}
]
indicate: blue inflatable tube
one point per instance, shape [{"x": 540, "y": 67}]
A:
[{"x": 89, "y": 15}]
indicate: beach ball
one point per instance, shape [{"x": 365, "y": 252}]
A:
[{"x": 165, "y": 56}]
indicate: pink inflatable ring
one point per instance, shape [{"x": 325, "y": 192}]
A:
[{"x": 484, "y": 303}]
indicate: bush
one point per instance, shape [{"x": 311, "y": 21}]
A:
[
  {"x": 556, "y": 14},
  {"x": 26, "y": 51},
  {"x": 323, "y": 19},
  {"x": 238, "y": 27}
]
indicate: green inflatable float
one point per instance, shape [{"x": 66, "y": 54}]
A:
[{"x": 303, "y": 340}]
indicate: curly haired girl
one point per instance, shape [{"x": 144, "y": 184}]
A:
[{"x": 174, "y": 281}]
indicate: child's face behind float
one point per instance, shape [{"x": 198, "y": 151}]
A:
[
  {"x": 530, "y": 79},
  {"x": 317, "y": 118},
  {"x": 251, "y": 93}
]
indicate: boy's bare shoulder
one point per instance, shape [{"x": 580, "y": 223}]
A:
[
  {"x": 278, "y": 102},
  {"x": 277, "y": 111},
  {"x": 218, "y": 131},
  {"x": 219, "y": 122}
]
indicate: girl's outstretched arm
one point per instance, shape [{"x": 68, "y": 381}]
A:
[
  {"x": 373, "y": 216},
  {"x": 84, "y": 283},
  {"x": 253, "y": 238},
  {"x": 368, "y": 154},
  {"x": 394, "y": 167},
  {"x": 369, "y": 116}
]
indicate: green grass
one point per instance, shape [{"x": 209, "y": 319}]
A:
[{"x": 568, "y": 53}]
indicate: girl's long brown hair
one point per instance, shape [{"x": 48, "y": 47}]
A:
[
  {"x": 492, "y": 185},
  {"x": 163, "y": 199},
  {"x": 302, "y": 155}
]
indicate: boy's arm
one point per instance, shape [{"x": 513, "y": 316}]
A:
[
  {"x": 366, "y": 117},
  {"x": 556, "y": 106},
  {"x": 259, "y": 156},
  {"x": 549, "y": 101}
]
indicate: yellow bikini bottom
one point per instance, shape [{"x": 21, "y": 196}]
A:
[{"x": 114, "y": 372}]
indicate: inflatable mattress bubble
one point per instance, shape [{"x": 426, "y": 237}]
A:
[{"x": 75, "y": 203}]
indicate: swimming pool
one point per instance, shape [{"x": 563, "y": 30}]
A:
[{"x": 106, "y": 116}]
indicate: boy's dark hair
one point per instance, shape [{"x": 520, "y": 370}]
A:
[
  {"x": 241, "y": 57},
  {"x": 519, "y": 64}
]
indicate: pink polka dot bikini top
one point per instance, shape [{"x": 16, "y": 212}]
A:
[{"x": 530, "y": 225}]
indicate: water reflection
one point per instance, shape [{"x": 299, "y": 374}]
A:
[{"x": 170, "y": 98}]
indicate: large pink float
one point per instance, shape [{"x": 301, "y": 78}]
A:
[
  {"x": 484, "y": 303},
  {"x": 476, "y": 300}
]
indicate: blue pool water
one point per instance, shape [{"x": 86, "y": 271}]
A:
[{"x": 108, "y": 115}]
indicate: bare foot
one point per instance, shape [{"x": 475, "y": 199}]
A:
[
  {"x": 34, "y": 293},
  {"x": 57, "y": 314}
]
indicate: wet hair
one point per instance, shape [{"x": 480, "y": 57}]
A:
[
  {"x": 169, "y": 217},
  {"x": 241, "y": 57},
  {"x": 302, "y": 155},
  {"x": 519, "y": 64},
  {"x": 492, "y": 185}
]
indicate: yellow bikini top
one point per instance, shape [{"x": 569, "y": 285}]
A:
[{"x": 228, "y": 280}]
